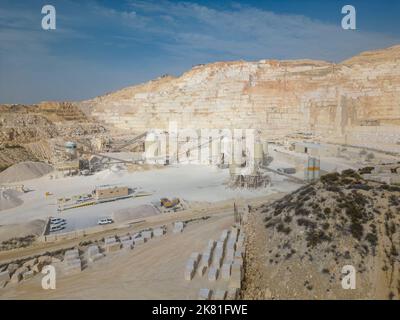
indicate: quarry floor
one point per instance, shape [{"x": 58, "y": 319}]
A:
[{"x": 188, "y": 182}]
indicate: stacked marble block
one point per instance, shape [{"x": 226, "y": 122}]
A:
[
  {"x": 93, "y": 253},
  {"x": 111, "y": 244},
  {"x": 224, "y": 260},
  {"x": 4, "y": 278},
  {"x": 178, "y": 227},
  {"x": 191, "y": 265},
  {"x": 126, "y": 242},
  {"x": 72, "y": 261}
]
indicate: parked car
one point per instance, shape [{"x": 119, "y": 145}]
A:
[
  {"x": 104, "y": 221},
  {"x": 54, "y": 228},
  {"x": 57, "y": 220}
]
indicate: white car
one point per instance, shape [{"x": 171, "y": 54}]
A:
[
  {"x": 104, "y": 221},
  {"x": 57, "y": 220},
  {"x": 56, "y": 228}
]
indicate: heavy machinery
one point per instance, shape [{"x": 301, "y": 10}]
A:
[{"x": 166, "y": 203}]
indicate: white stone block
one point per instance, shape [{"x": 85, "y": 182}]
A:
[
  {"x": 206, "y": 259},
  {"x": 226, "y": 271},
  {"x": 220, "y": 245},
  {"x": 96, "y": 257},
  {"x": 230, "y": 254},
  {"x": 191, "y": 263},
  {"x": 92, "y": 251},
  {"x": 72, "y": 266},
  {"x": 232, "y": 294},
  {"x": 204, "y": 294},
  {"x": 4, "y": 278},
  {"x": 231, "y": 244},
  {"x": 127, "y": 244},
  {"x": 219, "y": 295},
  {"x": 139, "y": 240},
  {"x": 217, "y": 261},
  {"x": 124, "y": 238},
  {"x": 213, "y": 274},
  {"x": 201, "y": 270},
  {"x": 211, "y": 246},
  {"x": 196, "y": 257},
  {"x": 189, "y": 273},
  {"x": 158, "y": 232},
  {"x": 71, "y": 254},
  {"x": 110, "y": 240},
  {"x": 147, "y": 234},
  {"x": 112, "y": 247}
]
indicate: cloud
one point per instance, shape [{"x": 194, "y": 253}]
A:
[{"x": 98, "y": 48}]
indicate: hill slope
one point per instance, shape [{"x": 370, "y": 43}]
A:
[{"x": 299, "y": 244}]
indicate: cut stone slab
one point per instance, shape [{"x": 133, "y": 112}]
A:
[
  {"x": 96, "y": 257},
  {"x": 239, "y": 253},
  {"x": 110, "y": 240},
  {"x": 4, "y": 278},
  {"x": 178, "y": 227},
  {"x": 127, "y": 244},
  {"x": 213, "y": 274},
  {"x": 147, "y": 234},
  {"x": 230, "y": 253},
  {"x": 201, "y": 270},
  {"x": 219, "y": 295},
  {"x": 226, "y": 271},
  {"x": 218, "y": 260},
  {"x": 232, "y": 294},
  {"x": 189, "y": 273},
  {"x": 71, "y": 254},
  {"x": 206, "y": 259},
  {"x": 92, "y": 251},
  {"x": 158, "y": 232},
  {"x": 196, "y": 257},
  {"x": 220, "y": 245},
  {"x": 73, "y": 266},
  {"x": 231, "y": 244},
  {"x": 236, "y": 279},
  {"x": 211, "y": 246},
  {"x": 139, "y": 240},
  {"x": 238, "y": 261},
  {"x": 12, "y": 267},
  {"x": 124, "y": 238},
  {"x": 112, "y": 247},
  {"x": 191, "y": 263},
  {"x": 204, "y": 294}
]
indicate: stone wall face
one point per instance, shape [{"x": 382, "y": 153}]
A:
[{"x": 355, "y": 102}]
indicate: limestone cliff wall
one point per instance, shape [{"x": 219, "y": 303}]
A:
[{"x": 356, "y": 102}]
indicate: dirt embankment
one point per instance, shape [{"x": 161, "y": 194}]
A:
[{"x": 299, "y": 244}]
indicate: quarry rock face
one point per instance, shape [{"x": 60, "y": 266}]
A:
[{"x": 355, "y": 102}]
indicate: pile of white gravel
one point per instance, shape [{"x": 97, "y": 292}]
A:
[{"x": 25, "y": 171}]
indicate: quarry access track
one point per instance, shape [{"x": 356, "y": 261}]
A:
[{"x": 197, "y": 212}]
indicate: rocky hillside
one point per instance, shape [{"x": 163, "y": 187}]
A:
[
  {"x": 354, "y": 102},
  {"x": 300, "y": 243},
  {"x": 25, "y": 131}
]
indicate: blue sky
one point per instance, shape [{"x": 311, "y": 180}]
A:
[{"x": 103, "y": 45}]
